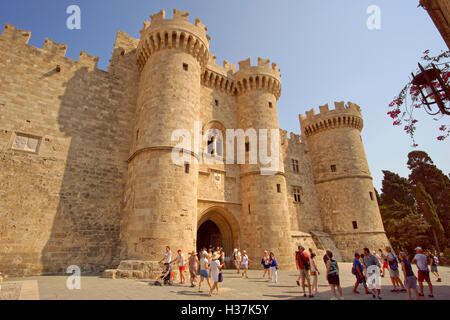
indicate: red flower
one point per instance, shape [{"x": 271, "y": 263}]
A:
[
  {"x": 394, "y": 113},
  {"x": 415, "y": 121},
  {"x": 426, "y": 51},
  {"x": 440, "y": 138},
  {"x": 396, "y": 123},
  {"x": 442, "y": 128},
  {"x": 446, "y": 76}
]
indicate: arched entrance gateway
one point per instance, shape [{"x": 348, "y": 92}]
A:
[{"x": 217, "y": 227}]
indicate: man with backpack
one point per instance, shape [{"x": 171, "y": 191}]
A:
[
  {"x": 394, "y": 272},
  {"x": 357, "y": 270},
  {"x": 433, "y": 261},
  {"x": 303, "y": 264}
]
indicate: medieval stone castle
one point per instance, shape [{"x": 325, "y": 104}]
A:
[{"x": 86, "y": 176}]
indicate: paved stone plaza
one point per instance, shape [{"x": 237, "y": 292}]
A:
[{"x": 233, "y": 288}]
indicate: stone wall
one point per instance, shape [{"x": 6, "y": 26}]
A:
[
  {"x": 304, "y": 214},
  {"x": 61, "y": 204}
]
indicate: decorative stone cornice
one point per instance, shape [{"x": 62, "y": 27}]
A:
[{"x": 177, "y": 33}]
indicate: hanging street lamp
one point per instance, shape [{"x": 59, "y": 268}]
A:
[{"x": 433, "y": 90}]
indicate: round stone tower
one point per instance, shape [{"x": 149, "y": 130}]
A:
[
  {"x": 265, "y": 214},
  {"x": 161, "y": 197},
  {"x": 347, "y": 199}
]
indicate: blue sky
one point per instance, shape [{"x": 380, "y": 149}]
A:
[{"x": 324, "y": 49}]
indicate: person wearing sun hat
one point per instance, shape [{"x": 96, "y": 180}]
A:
[{"x": 216, "y": 267}]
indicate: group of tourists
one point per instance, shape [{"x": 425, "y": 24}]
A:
[
  {"x": 380, "y": 261},
  {"x": 268, "y": 261},
  {"x": 368, "y": 268},
  {"x": 207, "y": 264}
]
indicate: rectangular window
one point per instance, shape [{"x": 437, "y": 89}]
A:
[
  {"x": 249, "y": 208},
  {"x": 355, "y": 225},
  {"x": 270, "y": 105},
  {"x": 295, "y": 165},
  {"x": 25, "y": 142},
  {"x": 333, "y": 168},
  {"x": 137, "y": 135},
  {"x": 371, "y": 195},
  {"x": 186, "y": 167},
  {"x": 216, "y": 102},
  {"x": 278, "y": 188},
  {"x": 185, "y": 67},
  {"x": 297, "y": 193},
  {"x": 247, "y": 147}
]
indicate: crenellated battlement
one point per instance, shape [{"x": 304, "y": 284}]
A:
[
  {"x": 56, "y": 50},
  {"x": 176, "y": 33},
  {"x": 342, "y": 116},
  {"x": 261, "y": 77},
  {"x": 14, "y": 34},
  {"x": 219, "y": 77},
  {"x": 292, "y": 138}
]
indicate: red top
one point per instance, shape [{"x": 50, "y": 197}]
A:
[{"x": 305, "y": 257}]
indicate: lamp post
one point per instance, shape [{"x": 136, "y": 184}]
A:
[{"x": 431, "y": 92}]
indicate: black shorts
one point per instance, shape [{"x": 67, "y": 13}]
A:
[
  {"x": 266, "y": 266},
  {"x": 333, "y": 279},
  {"x": 359, "y": 279}
]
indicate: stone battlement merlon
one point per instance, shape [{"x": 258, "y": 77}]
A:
[
  {"x": 176, "y": 33},
  {"x": 50, "y": 47},
  {"x": 342, "y": 116},
  {"x": 260, "y": 77},
  {"x": 219, "y": 77},
  {"x": 292, "y": 138}
]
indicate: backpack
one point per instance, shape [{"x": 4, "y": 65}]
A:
[
  {"x": 353, "y": 270},
  {"x": 306, "y": 264},
  {"x": 393, "y": 264},
  {"x": 436, "y": 260}
]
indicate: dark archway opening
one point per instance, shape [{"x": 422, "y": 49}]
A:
[{"x": 208, "y": 235}]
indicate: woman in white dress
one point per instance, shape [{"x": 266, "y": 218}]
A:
[
  {"x": 215, "y": 266},
  {"x": 244, "y": 263}
]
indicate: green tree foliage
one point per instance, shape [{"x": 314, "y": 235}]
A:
[
  {"x": 426, "y": 204},
  {"x": 435, "y": 182},
  {"x": 405, "y": 227}
]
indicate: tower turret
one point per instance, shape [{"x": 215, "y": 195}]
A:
[
  {"x": 161, "y": 198},
  {"x": 347, "y": 199},
  {"x": 265, "y": 215}
]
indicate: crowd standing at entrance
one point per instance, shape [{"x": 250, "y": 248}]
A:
[{"x": 368, "y": 267}]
